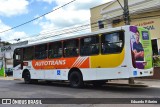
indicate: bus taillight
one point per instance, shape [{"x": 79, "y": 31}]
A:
[{"x": 25, "y": 63}]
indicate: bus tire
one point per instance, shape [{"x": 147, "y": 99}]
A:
[
  {"x": 27, "y": 77},
  {"x": 76, "y": 80},
  {"x": 28, "y": 80}
]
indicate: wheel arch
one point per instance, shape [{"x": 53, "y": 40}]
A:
[{"x": 74, "y": 69}]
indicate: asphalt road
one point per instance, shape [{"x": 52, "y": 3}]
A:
[{"x": 17, "y": 89}]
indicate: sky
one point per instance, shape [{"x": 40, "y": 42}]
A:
[{"x": 16, "y": 12}]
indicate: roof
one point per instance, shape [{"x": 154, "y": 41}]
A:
[
  {"x": 76, "y": 36},
  {"x": 101, "y": 5}
]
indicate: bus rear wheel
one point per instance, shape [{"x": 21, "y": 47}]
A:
[{"x": 76, "y": 80}]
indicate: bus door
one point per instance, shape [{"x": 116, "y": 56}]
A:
[{"x": 17, "y": 58}]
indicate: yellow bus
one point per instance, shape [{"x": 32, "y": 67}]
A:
[{"x": 116, "y": 53}]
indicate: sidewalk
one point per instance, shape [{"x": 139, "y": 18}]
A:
[
  {"x": 6, "y": 78},
  {"x": 138, "y": 82}
]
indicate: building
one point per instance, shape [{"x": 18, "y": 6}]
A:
[
  {"x": 6, "y": 55},
  {"x": 144, "y": 13}
]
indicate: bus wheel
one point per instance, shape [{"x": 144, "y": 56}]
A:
[
  {"x": 98, "y": 83},
  {"x": 76, "y": 80},
  {"x": 27, "y": 78}
]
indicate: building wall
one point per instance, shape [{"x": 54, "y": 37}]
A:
[
  {"x": 6, "y": 53},
  {"x": 152, "y": 24},
  {"x": 149, "y": 20},
  {"x": 96, "y": 16}
]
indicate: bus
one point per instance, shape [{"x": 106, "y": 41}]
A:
[{"x": 117, "y": 53}]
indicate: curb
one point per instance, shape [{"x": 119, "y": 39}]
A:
[
  {"x": 5, "y": 78},
  {"x": 17, "y": 79},
  {"x": 131, "y": 85},
  {"x": 9, "y": 78},
  {"x": 154, "y": 86}
]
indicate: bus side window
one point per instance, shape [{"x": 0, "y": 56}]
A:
[
  {"x": 28, "y": 53},
  {"x": 71, "y": 48},
  {"x": 89, "y": 46},
  {"x": 55, "y": 50},
  {"x": 41, "y": 51},
  {"x": 112, "y": 42}
]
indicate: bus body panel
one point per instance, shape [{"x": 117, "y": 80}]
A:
[
  {"x": 107, "y": 61},
  {"x": 143, "y": 65},
  {"x": 141, "y": 72}
]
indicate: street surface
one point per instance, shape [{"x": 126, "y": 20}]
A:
[{"x": 17, "y": 89}]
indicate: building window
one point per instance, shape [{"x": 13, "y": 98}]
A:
[
  {"x": 154, "y": 47},
  {"x": 89, "y": 46},
  {"x": 100, "y": 24},
  {"x": 112, "y": 42}
]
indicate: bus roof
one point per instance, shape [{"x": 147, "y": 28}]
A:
[{"x": 76, "y": 36}]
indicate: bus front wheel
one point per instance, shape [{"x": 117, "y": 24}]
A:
[
  {"x": 76, "y": 80},
  {"x": 27, "y": 78}
]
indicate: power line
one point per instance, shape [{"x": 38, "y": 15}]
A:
[
  {"x": 120, "y": 5},
  {"x": 37, "y": 17},
  {"x": 49, "y": 32},
  {"x": 68, "y": 32},
  {"x": 64, "y": 33},
  {"x": 55, "y": 30},
  {"x": 67, "y": 29},
  {"x": 87, "y": 28}
]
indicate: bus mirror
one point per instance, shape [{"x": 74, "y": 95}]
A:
[{"x": 17, "y": 57}]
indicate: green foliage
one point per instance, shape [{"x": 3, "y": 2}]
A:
[
  {"x": 156, "y": 61},
  {"x": 2, "y": 71},
  {"x": 5, "y": 43}
]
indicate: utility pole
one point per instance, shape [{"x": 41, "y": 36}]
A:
[
  {"x": 126, "y": 13},
  {"x": 127, "y": 22}
]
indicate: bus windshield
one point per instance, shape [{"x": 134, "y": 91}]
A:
[{"x": 141, "y": 48}]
